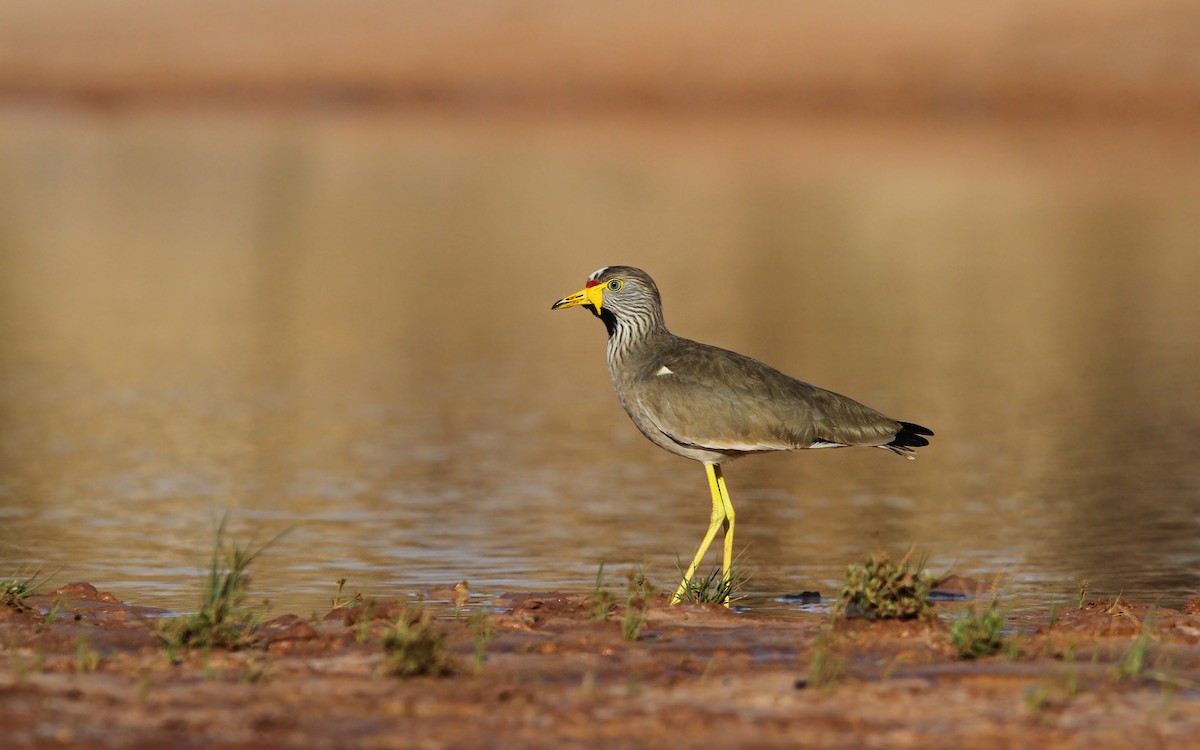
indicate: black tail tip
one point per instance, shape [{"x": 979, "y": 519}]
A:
[
  {"x": 910, "y": 436},
  {"x": 915, "y": 428}
]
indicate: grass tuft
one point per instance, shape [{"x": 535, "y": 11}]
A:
[
  {"x": 18, "y": 588},
  {"x": 714, "y": 588},
  {"x": 223, "y": 621},
  {"x": 415, "y": 647},
  {"x": 977, "y": 633},
  {"x": 1038, "y": 698},
  {"x": 882, "y": 590}
]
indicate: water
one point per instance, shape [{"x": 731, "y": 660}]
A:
[{"x": 339, "y": 326}]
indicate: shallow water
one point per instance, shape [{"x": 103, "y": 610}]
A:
[{"x": 339, "y": 326}]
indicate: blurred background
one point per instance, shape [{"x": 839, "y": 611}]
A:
[{"x": 293, "y": 262}]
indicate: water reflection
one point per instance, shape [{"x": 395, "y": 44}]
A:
[{"x": 341, "y": 326}]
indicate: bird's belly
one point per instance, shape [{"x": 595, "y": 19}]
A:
[{"x": 667, "y": 443}]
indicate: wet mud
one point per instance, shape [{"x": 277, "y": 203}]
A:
[{"x": 80, "y": 669}]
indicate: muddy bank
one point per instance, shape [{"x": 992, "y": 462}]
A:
[{"x": 549, "y": 674}]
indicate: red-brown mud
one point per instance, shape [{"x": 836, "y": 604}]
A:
[{"x": 98, "y": 676}]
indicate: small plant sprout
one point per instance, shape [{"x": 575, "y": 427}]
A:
[
  {"x": 1133, "y": 664},
  {"x": 880, "y": 589},
  {"x": 338, "y": 602},
  {"x": 1012, "y": 646},
  {"x": 827, "y": 666},
  {"x": 57, "y": 606},
  {"x": 482, "y": 631},
  {"x": 601, "y": 603},
  {"x": 1083, "y": 589},
  {"x": 637, "y": 601},
  {"x": 362, "y": 623},
  {"x": 1116, "y": 605},
  {"x": 86, "y": 657},
  {"x": 414, "y": 646},
  {"x": 462, "y": 595},
  {"x": 257, "y": 672}
]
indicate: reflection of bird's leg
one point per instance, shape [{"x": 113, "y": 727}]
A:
[{"x": 722, "y": 515}]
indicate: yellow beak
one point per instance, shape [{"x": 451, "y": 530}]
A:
[{"x": 592, "y": 295}]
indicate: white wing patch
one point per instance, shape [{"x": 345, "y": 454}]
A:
[
  {"x": 664, "y": 370},
  {"x": 826, "y": 444}
]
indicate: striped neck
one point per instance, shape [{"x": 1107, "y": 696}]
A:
[{"x": 629, "y": 332}]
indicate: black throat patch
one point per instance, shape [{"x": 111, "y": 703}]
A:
[{"x": 610, "y": 320}]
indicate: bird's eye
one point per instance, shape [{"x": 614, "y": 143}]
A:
[{"x": 615, "y": 285}]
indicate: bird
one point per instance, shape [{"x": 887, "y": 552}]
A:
[{"x": 713, "y": 405}]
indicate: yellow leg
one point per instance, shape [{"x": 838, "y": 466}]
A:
[
  {"x": 727, "y": 560},
  {"x": 722, "y": 515}
]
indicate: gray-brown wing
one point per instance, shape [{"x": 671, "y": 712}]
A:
[{"x": 725, "y": 401}]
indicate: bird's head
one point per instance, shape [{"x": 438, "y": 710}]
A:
[{"x": 616, "y": 293}]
